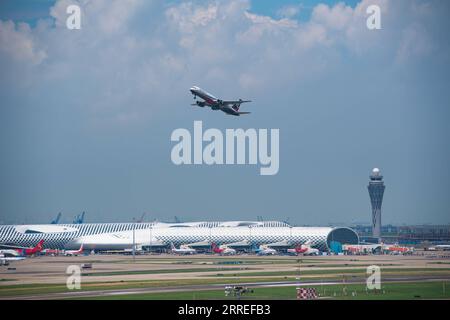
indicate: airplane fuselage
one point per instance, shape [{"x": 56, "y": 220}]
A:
[{"x": 229, "y": 107}]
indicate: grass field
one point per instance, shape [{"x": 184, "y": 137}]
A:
[{"x": 391, "y": 291}]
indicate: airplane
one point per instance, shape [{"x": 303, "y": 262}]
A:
[
  {"x": 223, "y": 249},
  {"x": 361, "y": 248},
  {"x": 9, "y": 253},
  {"x": 444, "y": 247},
  {"x": 51, "y": 252},
  {"x": 182, "y": 250},
  {"x": 230, "y": 107},
  {"x": 23, "y": 251},
  {"x": 304, "y": 249},
  {"x": 264, "y": 250},
  {"x": 74, "y": 252},
  {"x": 396, "y": 249},
  {"x": 4, "y": 260}
]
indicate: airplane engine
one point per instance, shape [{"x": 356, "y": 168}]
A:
[{"x": 200, "y": 104}]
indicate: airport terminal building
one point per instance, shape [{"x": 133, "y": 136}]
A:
[{"x": 119, "y": 236}]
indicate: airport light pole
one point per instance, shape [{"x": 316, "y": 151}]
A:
[
  {"x": 134, "y": 239},
  {"x": 298, "y": 277},
  {"x": 150, "y": 247},
  {"x": 210, "y": 239}
]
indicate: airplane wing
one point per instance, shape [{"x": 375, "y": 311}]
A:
[
  {"x": 242, "y": 112},
  {"x": 7, "y": 246},
  {"x": 235, "y": 101},
  {"x": 12, "y": 258}
]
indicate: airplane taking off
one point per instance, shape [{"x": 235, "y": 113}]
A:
[
  {"x": 223, "y": 249},
  {"x": 182, "y": 250},
  {"x": 230, "y": 107}
]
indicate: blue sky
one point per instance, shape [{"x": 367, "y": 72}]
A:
[
  {"x": 31, "y": 11},
  {"x": 86, "y": 116}
]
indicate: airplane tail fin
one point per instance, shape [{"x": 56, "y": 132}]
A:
[
  {"x": 307, "y": 243},
  {"x": 39, "y": 246},
  {"x": 172, "y": 246}
]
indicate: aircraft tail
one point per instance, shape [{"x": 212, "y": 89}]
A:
[
  {"x": 172, "y": 246},
  {"x": 39, "y": 246}
]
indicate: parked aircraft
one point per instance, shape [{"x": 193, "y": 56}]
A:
[
  {"x": 396, "y": 249},
  {"x": 304, "y": 249},
  {"x": 4, "y": 260},
  {"x": 51, "y": 252},
  {"x": 182, "y": 250},
  {"x": 264, "y": 250},
  {"x": 230, "y": 107},
  {"x": 74, "y": 252},
  {"x": 23, "y": 251},
  {"x": 9, "y": 253},
  {"x": 223, "y": 250}
]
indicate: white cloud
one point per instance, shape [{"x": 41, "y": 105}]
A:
[
  {"x": 337, "y": 17},
  {"x": 125, "y": 62},
  {"x": 289, "y": 11},
  {"x": 17, "y": 42}
]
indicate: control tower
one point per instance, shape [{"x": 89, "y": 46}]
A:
[{"x": 376, "y": 191}]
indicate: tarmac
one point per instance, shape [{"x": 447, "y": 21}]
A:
[{"x": 117, "y": 269}]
